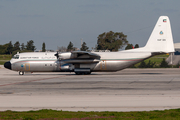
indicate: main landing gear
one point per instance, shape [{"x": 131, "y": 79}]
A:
[
  {"x": 21, "y": 72},
  {"x": 83, "y": 73}
]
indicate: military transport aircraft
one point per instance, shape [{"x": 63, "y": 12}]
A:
[{"x": 82, "y": 62}]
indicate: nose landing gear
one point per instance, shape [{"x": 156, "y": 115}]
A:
[{"x": 21, "y": 72}]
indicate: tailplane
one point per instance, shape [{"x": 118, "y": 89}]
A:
[{"x": 161, "y": 40}]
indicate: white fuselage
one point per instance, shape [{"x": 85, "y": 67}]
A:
[{"x": 47, "y": 61}]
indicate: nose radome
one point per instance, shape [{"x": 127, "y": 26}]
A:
[{"x": 7, "y": 65}]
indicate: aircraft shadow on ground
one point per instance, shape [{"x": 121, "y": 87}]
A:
[
  {"x": 151, "y": 73},
  {"x": 92, "y": 74}
]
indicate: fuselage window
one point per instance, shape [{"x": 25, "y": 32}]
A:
[
  {"x": 16, "y": 56},
  {"x": 45, "y": 64}
]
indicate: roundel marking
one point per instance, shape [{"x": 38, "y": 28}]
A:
[{"x": 161, "y": 33}]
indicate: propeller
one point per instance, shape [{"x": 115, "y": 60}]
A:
[{"x": 57, "y": 54}]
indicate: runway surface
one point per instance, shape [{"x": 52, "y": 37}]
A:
[{"x": 126, "y": 90}]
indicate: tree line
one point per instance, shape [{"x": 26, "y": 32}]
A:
[
  {"x": 71, "y": 47},
  {"x": 112, "y": 41},
  {"x": 9, "y": 48}
]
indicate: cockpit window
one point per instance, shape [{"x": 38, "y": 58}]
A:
[{"x": 16, "y": 56}]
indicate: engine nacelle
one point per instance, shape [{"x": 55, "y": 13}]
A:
[
  {"x": 68, "y": 55},
  {"x": 67, "y": 67}
]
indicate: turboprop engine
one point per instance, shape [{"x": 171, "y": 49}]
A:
[{"x": 62, "y": 56}]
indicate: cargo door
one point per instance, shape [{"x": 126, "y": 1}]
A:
[{"x": 27, "y": 67}]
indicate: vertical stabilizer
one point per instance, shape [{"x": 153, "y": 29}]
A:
[{"x": 161, "y": 39}]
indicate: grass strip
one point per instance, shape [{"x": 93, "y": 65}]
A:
[{"x": 173, "y": 114}]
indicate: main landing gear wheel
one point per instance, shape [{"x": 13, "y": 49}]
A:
[
  {"x": 21, "y": 73},
  {"x": 83, "y": 73}
]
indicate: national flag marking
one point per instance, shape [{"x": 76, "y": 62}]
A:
[{"x": 164, "y": 20}]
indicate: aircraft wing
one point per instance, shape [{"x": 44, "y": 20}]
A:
[
  {"x": 84, "y": 54},
  {"x": 82, "y": 57},
  {"x": 77, "y": 61}
]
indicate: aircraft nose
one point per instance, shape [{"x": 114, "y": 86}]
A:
[{"x": 7, "y": 65}]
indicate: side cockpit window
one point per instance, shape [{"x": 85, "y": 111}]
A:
[{"x": 16, "y": 56}]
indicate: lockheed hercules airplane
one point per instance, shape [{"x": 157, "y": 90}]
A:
[{"x": 82, "y": 62}]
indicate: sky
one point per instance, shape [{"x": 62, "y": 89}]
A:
[{"x": 57, "y": 22}]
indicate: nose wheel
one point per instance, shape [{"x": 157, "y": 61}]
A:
[{"x": 21, "y": 72}]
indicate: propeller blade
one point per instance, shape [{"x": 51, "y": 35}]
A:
[{"x": 57, "y": 55}]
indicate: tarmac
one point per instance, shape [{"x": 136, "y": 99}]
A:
[{"x": 126, "y": 90}]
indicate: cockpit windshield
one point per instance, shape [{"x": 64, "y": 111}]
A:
[{"x": 16, "y": 56}]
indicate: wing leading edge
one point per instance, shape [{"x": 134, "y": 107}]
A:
[
  {"x": 83, "y": 57},
  {"x": 84, "y": 54},
  {"x": 78, "y": 57}
]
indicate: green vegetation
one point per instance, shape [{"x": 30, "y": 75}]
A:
[
  {"x": 4, "y": 58},
  {"x": 111, "y": 41},
  {"x": 70, "y": 47},
  {"x": 43, "y": 47},
  {"x": 84, "y": 47},
  {"x": 53, "y": 114},
  {"x": 9, "y": 48},
  {"x": 157, "y": 61},
  {"x": 130, "y": 46}
]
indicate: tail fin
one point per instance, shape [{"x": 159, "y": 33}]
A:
[{"x": 161, "y": 39}]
